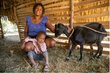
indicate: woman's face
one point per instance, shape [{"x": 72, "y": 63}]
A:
[
  {"x": 38, "y": 11},
  {"x": 41, "y": 38}
]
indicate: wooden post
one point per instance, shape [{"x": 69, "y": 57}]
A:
[
  {"x": 71, "y": 14},
  {"x": 1, "y": 28},
  {"x": 17, "y": 21},
  {"x": 4, "y": 5},
  {"x": 37, "y": 1},
  {"x": 15, "y": 14}
]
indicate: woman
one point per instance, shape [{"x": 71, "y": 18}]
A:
[{"x": 37, "y": 23}]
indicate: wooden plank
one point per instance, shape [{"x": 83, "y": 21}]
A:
[
  {"x": 29, "y": 12},
  {"x": 92, "y": 15},
  {"x": 86, "y": 2},
  {"x": 21, "y": 18},
  {"x": 64, "y": 38},
  {"x": 24, "y": 14},
  {"x": 26, "y": 4},
  {"x": 57, "y": 8},
  {"x": 96, "y": 19},
  {"x": 65, "y": 21},
  {"x": 61, "y": 21},
  {"x": 63, "y": 3},
  {"x": 20, "y": 25},
  {"x": 22, "y": 21},
  {"x": 94, "y": 7},
  {"x": 94, "y": 50},
  {"x": 93, "y": 11},
  {"x": 83, "y": 23},
  {"x": 58, "y": 11},
  {"x": 58, "y": 16},
  {"x": 61, "y": 43},
  {"x": 49, "y": 1},
  {"x": 27, "y": 9}
]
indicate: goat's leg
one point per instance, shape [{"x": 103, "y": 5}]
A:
[
  {"x": 100, "y": 50},
  {"x": 81, "y": 51},
  {"x": 91, "y": 51},
  {"x": 69, "y": 54},
  {"x": 70, "y": 51}
]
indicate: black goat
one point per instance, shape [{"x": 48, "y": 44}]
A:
[{"x": 82, "y": 35}]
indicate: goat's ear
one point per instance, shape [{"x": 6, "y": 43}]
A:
[
  {"x": 101, "y": 28},
  {"x": 60, "y": 24},
  {"x": 56, "y": 27}
]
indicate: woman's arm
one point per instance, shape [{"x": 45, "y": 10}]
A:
[{"x": 50, "y": 26}]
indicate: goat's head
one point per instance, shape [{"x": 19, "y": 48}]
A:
[{"x": 60, "y": 29}]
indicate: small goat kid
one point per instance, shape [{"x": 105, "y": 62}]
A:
[{"x": 82, "y": 36}]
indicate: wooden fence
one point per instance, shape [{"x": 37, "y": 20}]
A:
[
  {"x": 1, "y": 30},
  {"x": 91, "y": 11}
]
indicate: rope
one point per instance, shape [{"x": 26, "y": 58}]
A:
[
  {"x": 95, "y": 30},
  {"x": 90, "y": 29},
  {"x": 71, "y": 34}
]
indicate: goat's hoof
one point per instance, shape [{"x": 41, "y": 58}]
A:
[
  {"x": 91, "y": 58},
  {"x": 94, "y": 57},
  {"x": 80, "y": 59},
  {"x": 67, "y": 59},
  {"x": 98, "y": 57}
]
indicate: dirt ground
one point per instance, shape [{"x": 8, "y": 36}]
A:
[{"x": 12, "y": 61}]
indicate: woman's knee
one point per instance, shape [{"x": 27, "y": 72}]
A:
[
  {"x": 53, "y": 42},
  {"x": 29, "y": 46},
  {"x": 50, "y": 42}
]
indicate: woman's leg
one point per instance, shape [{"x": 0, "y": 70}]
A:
[
  {"x": 28, "y": 46},
  {"x": 50, "y": 42}
]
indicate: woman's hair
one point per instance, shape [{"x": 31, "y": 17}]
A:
[{"x": 38, "y": 4}]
